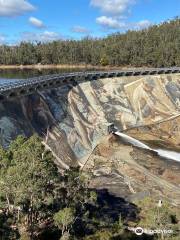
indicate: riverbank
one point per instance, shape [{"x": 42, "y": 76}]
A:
[
  {"x": 52, "y": 66},
  {"x": 69, "y": 66}
]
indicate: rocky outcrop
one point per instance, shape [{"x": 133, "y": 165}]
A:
[{"x": 133, "y": 173}]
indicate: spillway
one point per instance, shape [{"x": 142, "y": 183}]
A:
[{"x": 161, "y": 152}]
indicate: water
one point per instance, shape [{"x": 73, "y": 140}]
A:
[
  {"x": 169, "y": 154},
  {"x": 161, "y": 152},
  {"x": 132, "y": 140},
  {"x": 10, "y": 74},
  {"x": 5, "y": 80}
]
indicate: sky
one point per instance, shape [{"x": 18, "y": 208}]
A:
[{"x": 48, "y": 20}]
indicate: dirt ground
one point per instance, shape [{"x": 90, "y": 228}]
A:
[{"x": 133, "y": 173}]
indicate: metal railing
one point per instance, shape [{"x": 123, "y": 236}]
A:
[{"x": 39, "y": 81}]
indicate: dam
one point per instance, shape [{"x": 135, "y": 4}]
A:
[
  {"x": 28, "y": 86},
  {"x": 72, "y": 111}
]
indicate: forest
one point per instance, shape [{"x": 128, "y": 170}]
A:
[
  {"x": 38, "y": 202},
  {"x": 156, "y": 46}
]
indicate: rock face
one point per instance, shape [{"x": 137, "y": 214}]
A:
[
  {"x": 133, "y": 173},
  {"x": 74, "y": 120}
]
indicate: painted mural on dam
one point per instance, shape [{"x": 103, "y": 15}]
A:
[{"x": 78, "y": 117}]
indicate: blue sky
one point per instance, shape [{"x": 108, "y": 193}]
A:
[{"x": 46, "y": 20}]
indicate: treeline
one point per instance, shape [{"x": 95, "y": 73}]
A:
[{"x": 156, "y": 46}]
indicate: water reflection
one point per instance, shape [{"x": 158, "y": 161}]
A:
[
  {"x": 5, "y": 80},
  {"x": 29, "y": 73}
]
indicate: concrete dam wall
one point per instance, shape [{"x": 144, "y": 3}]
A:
[{"x": 72, "y": 121}]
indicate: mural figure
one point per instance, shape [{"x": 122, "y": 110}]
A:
[
  {"x": 126, "y": 119},
  {"x": 116, "y": 93},
  {"x": 173, "y": 90},
  {"x": 92, "y": 101},
  {"x": 114, "y": 103},
  {"x": 84, "y": 118},
  {"x": 145, "y": 101},
  {"x": 121, "y": 105}
]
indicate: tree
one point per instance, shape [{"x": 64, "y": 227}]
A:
[
  {"x": 32, "y": 190},
  {"x": 155, "y": 46},
  {"x": 27, "y": 184},
  {"x": 76, "y": 199},
  {"x": 101, "y": 235},
  {"x": 64, "y": 220},
  {"x": 104, "y": 61},
  {"x": 154, "y": 216},
  {"x": 7, "y": 232}
]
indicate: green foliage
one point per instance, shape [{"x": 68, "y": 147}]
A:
[
  {"x": 36, "y": 199},
  {"x": 100, "y": 235},
  {"x": 17, "y": 143},
  {"x": 76, "y": 198},
  {"x": 157, "y": 46},
  {"x": 119, "y": 225},
  {"x": 159, "y": 217},
  {"x": 104, "y": 61},
  {"x": 64, "y": 219},
  {"x": 76, "y": 191},
  {"x": 27, "y": 181},
  {"x": 6, "y": 230},
  {"x": 32, "y": 190}
]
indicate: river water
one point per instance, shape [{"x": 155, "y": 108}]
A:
[
  {"x": 14, "y": 74},
  {"x": 6, "y": 80}
]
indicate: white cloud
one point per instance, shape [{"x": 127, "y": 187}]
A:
[
  {"x": 2, "y": 39},
  {"x": 109, "y": 22},
  {"x": 142, "y": 24},
  {"x": 80, "y": 29},
  {"x": 10, "y": 8},
  {"x": 115, "y": 17},
  {"x": 113, "y": 7},
  {"x": 36, "y": 22},
  {"x": 116, "y": 11},
  {"x": 45, "y": 36}
]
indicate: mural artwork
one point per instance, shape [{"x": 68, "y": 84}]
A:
[{"x": 80, "y": 115}]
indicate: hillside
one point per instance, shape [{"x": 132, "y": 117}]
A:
[{"x": 156, "y": 46}]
